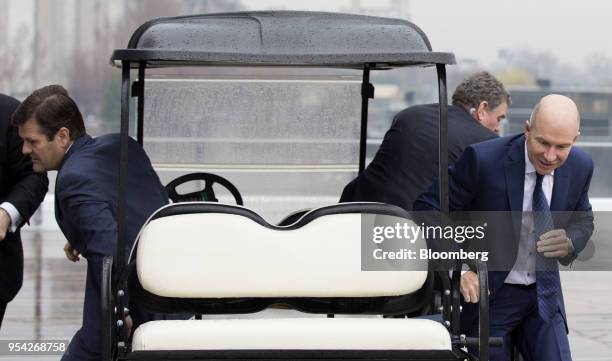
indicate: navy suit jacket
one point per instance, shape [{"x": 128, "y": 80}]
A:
[
  {"x": 85, "y": 209},
  {"x": 490, "y": 177}
]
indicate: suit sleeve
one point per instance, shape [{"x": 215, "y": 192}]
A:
[
  {"x": 462, "y": 182},
  {"x": 93, "y": 234},
  {"x": 84, "y": 204},
  {"x": 580, "y": 227},
  {"x": 28, "y": 188}
]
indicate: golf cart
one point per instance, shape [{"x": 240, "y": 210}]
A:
[{"x": 284, "y": 96}]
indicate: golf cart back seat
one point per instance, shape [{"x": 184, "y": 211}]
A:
[{"x": 210, "y": 258}]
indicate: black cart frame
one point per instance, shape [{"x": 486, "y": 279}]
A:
[{"x": 271, "y": 39}]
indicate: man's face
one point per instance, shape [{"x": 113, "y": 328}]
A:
[
  {"x": 548, "y": 145},
  {"x": 492, "y": 118},
  {"x": 46, "y": 154}
]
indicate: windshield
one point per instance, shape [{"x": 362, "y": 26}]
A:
[{"x": 287, "y": 140}]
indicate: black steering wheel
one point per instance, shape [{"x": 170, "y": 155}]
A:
[{"x": 206, "y": 194}]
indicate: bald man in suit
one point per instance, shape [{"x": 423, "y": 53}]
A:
[{"x": 542, "y": 181}]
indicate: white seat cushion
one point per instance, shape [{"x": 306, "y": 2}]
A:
[
  {"x": 292, "y": 334},
  {"x": 216, "y": 255}
]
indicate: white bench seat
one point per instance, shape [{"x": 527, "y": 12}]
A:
[
  {"x": 292, "y": 334},
  {"x": 222, "y": 260},
  {"x": 217, "y": 255}
]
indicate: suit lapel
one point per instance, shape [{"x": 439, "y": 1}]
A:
[{"x": 514, "y": 169}]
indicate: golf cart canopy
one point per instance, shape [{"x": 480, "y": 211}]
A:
[{"x": 280, "y": 38}]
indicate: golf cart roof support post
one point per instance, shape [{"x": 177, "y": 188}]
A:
[
  {"x": 367, "y": 92},
  {"x": 442, "y": 139},
  {"x": 141, "y": 87},
  {"x": 122, "y": 190},
  {"x": 123, "y": 164}
]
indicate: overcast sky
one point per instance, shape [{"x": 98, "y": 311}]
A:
[{"x": 571, "y": 30}]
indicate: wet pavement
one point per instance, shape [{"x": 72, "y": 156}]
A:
[{"x": 49, "y": 305}]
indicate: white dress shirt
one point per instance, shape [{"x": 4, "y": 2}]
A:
[
  {"x": 523, "y": 272},
  {"x": 13, "y": 214}
]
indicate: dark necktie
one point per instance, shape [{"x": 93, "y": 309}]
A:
[{"x": 547, "y": 272}]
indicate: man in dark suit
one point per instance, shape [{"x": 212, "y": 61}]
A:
[
  {"x": 407, "y": 160},
  {"x": 21, "y": 192},
  {"x": 52, "y": 128},
  {"x": 530, "y": 175}
]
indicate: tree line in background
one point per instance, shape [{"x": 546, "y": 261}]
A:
[{"x": 92, "y": 81}]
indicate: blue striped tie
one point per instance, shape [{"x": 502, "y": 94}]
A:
[{"x": 547, "y": 274}]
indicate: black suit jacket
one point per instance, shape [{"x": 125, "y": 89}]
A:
[
  {"x": 21, "y": 187},
  {"x": 407, "y": 161}
]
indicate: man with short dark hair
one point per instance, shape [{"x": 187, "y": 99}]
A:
[
  {"x": 21, "y": 192},
  {"x": 407, "y": 160},
  {"x": 53, "y": 132}
]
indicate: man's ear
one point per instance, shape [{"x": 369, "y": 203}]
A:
[
  {"x": 482, "y": 107},
  {"x": 63, "y": 137},
  {"x": 527, "y": 126}
]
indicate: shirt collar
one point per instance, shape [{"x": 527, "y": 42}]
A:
[{"x": 70, "y": 146}]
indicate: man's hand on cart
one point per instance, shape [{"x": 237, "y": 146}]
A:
[
  {"x": 470, "y": 287},
  {"x": 71, "y": 253}
]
